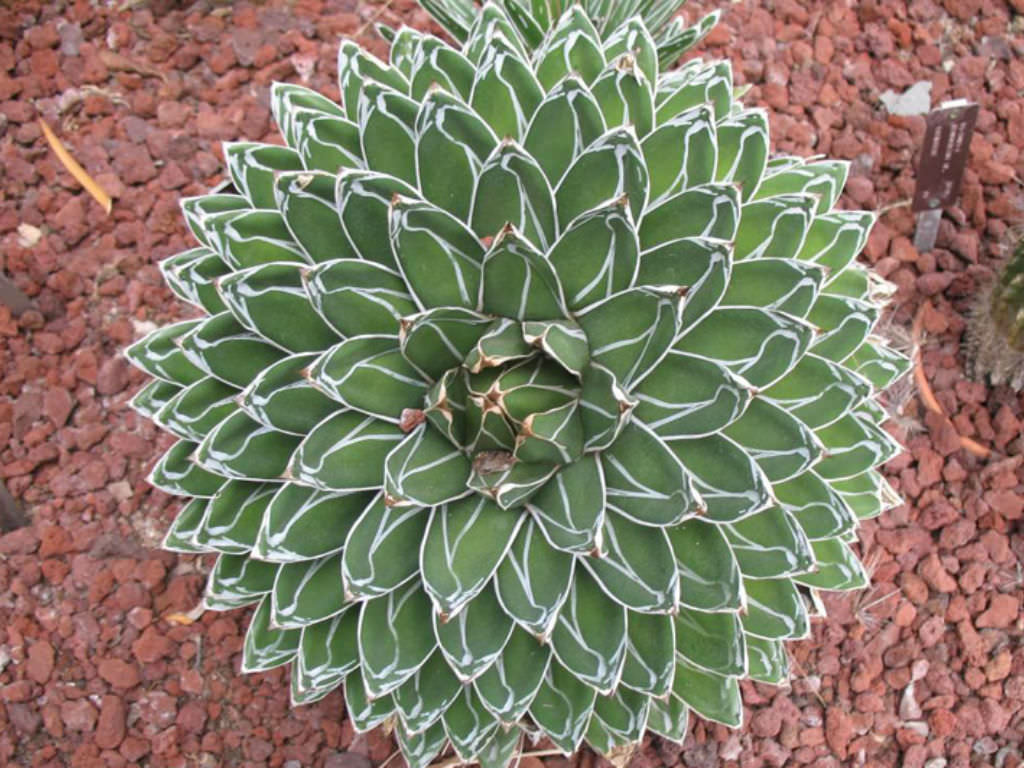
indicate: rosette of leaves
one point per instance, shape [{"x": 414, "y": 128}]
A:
[
  {"x": 995, "y": 335},
  {"x": 528, "y": 392}
]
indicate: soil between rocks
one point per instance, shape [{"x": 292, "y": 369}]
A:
[{"x": 924, "y": 669}]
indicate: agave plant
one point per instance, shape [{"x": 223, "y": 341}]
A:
[
  {"x": 528, "y": 393},
  {"x": 995, "y": 333}
]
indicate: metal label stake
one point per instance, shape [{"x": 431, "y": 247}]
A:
[{"x": 940, "y": 169}]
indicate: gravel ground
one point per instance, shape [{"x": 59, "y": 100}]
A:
[{"x": 924, "y": 669}]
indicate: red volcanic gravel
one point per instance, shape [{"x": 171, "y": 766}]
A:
[{"x": 924, "y": 670}]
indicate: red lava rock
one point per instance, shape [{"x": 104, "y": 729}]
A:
[
  {"x": 936, "y": 576},
  {"x": 152, "y": 646},
  {"x": 111, "y": 726},
  {"x": 1002, "y": 612},
  {"x": 347, "y": 760},
  {"x": 120, "y": 674},
  {"x": 113, "y": 376},
  {"x": 78, "y": 715},
  {"x": 39, "y": 665}
]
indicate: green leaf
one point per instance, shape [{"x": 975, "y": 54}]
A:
[
  {"x": 688, "y": 396},
  {"x": 836, "y": 567},
  {"x": 775, "y": 610},
  {"x": 489, "y": 22},
  {"x": 854, "y": 445},
  {"x": 619, "y": 719},
  {"x": 572, "y": 46},
  {"x": 356, "y": 68},
  {"x": 512, "y": 487},
  {"x": 308, "y": 592},
  {"x": 197, "y": 279},
  {"x": 176, "y": 473},
  {"x": 509, "y": 685},
  {"x": 710, "y": 84},
  {"x": 625, "y": 96},
  {"x": 437, "y": 62},
  {"x": 364, "y": 206},
  {"x": 780, "y": 444},
  {"x": 846, "y": 324},
  {"x": 254, "y": 166},
  {"x": 681, "y": 153},
  {"x": 439, "y": 258},
  {"x": 835, "y": 239},
  {"x": 554, "y": 436},
  {"x": 729, "y": 481},
  {"x": 364, "y": 711},
  {"x": 589, "y": 637},
  {"x": 288, "y": 100},
  {"x": 244, "y": 448},
  {"x": 328, "y": 143},
  {"x": 197, "y": 409},
  {"x": 569, "y": 508},
  {"x": 767, "y": 661},
  {"x": 222, "y": 347},
  {"x": 473, "y": 639},
  {"x": 597, "y": 254},
  {"x": 644, "y": 480},
  {"x": 711, "y": 696},
  {"x": 638, "y": 567},
  {"x": 650, "y": 653},
  {"x": 633, "y": 37},
  {"x": 380, "y": 551},
  {"x": 302, "y": 523},
  {"x": 439, "y": 339},
  {"x": 759, "y": 345},
  {"x": 679, "y": 38},
  {"x": 424, "y": 697},
  {"x": 179, "y": 537},
  {"x": 392, "y": 640},
  {"x": 200, "y": 211},
  {"x": 818, "y": 391},
  {"x": 172, "y": 265},
  {"x": 819, "y": 511},
  {"x": 266, "y": 648},
  {"x": 158, "y": 354},
  {"x": 386, "y": 126},
  {"x": 468, "y": 724},
  {"x": 444, "y": 406},
  {"x": 562, "y": 707},
  {"x": 420, "y": 749},
  {"x": 282, "y": 398},
  {"x": 610, "y": 168},
  {"x": 154, "y": 397},
  {"x": 743, "y": 150},
  {"x": 370, "y": 374},
  {"x": 345, "y": 452},
  {"x": 711, "y": 641},
  {"x": 511, "y": 189},
  {"x": 567, "y": 121},
  {"x": 669, "y": 718},
  {"x": 561, "y": 340},
  {"x": 233, "y": 517},
  {"x": 506, "y": 92},
  {"x": 630, "y": 332},
  {"x": 868, "y": 494},
  {"x": 709, "y": 577},
  {"x": 425, "y": 469},
  {"x": 533, "y": 580},
  {"x": 518, "y": 282},
  {"x": 502, "y": 343},
  {"x": 824, "y": 179},
  {"x": 237, "y": 580},
  {"x": 877, "y": 363},
  {"x": 251, "y": 238},
  {"x": 271, "y": 301},
  {"x": 452, "y": 144},
  {"x": 328, "y": 650},
  {"x": 502, "y": 749},
  {"x": 702, "y": 265},
  {"x": 769, "y": 544},
  {"x": 308, "y": 205},
  {"x": 464, "y": 544},
  {"x": 712, "y": 210},
  {"x": 781, "y": 285},
  {"x": 604, "y": 407},
  {"x": 359, "y": 298},
  {"x": 775, "y": 226}
]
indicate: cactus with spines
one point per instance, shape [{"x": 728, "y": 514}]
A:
[
  {"x": 530, "y": 393},
  {"x": 995, "y": 331}
]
